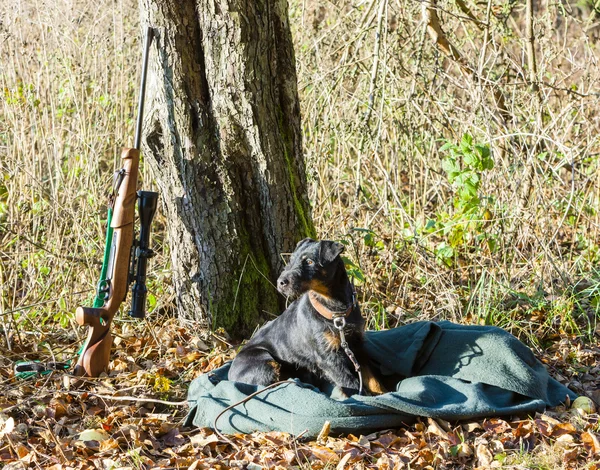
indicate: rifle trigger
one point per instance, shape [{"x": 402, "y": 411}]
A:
[{"x": 118, "y": 179}]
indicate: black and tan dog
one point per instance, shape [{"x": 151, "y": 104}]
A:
[{"x": 303, "y": 341}]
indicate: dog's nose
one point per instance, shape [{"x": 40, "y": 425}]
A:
[{"x": 283, "y": 282}]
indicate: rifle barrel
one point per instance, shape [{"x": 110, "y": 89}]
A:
[{"x": 140, "y": 116}]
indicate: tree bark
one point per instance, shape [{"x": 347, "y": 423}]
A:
[{"x": 223, "y": 138}]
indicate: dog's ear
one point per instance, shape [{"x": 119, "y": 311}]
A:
[
  {"x": 330, "y": 251},
  {"x": 302, "y": 242}
]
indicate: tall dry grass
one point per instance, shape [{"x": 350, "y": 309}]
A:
[
  {"x": 379, "y": 99},
  {"x": 381, "y": 96},
  {"x": 68, "y": 76}
]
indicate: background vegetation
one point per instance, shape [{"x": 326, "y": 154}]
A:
[{"x": 462, "y": 169}]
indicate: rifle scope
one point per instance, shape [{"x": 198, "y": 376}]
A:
[{"x": 147, "y": 201}]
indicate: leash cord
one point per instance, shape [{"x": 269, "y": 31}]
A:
[
  {"x": 249, "y": 397},
  {"x": 340, "y": 322}
]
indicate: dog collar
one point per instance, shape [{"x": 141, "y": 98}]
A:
[{"x": 325, "y": 312}]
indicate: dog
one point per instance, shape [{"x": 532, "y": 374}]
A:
[{"x": 304, "y": 342}]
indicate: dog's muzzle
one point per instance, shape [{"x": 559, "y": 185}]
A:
[{"x": 289, "y": 284}]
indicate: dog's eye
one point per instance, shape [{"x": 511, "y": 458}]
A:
[{"x": 309, "y": 262}]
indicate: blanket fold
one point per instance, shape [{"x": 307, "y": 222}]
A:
[{"x": 440, "y": 370}]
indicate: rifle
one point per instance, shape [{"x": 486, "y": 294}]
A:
[{"x": 125, "y": 259}]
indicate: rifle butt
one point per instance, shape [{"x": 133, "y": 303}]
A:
[{"x": 95, "y": 352}]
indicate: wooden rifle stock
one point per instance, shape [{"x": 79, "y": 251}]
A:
[
  {"x": 121, "y": 252},
  {"x": 95, "y": 354}
]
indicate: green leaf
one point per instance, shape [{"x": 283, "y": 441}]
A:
[
  {"x": 468, "y": 190},
  {"x": 151, "y": 301},
  {"x": 483, "y": 151},
  {"x": 472, "y": 160},
  {"x": 449, "y": 165},
  {"x": 488, "y": 164},
  {"x": 447, "y": 146},
  {"x": 466, "y": 143},
  {"x": 348, "y": 262},
  {"x": 461, "y": 178},
  {"x": 444, "y": 251},
  {"x": 357, "y": 274},
  {"x": 456, "y": 237}
]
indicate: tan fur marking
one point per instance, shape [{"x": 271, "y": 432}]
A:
[
  {"x": 371, "y": 382},
  {"x": 333, "y": 341},
  {"x": 319, "y": 287},
  {"x": 276, "y": 367}
]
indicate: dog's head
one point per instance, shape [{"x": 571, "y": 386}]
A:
[{"x": 312, "y": 266}]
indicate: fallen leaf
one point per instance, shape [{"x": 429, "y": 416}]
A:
[
  {"x": 9, "y": 426},
  {"x": 387, "y": 440},
  {"x": 384, "y": 463},
  {"x": 172, "y": 438},
  {"x": 484, "y": 456},
  {"x": 324, "y": 454},
  {"x": 455, "y": 438},
  {"x": 544, "y": 427},
  {"x": 471, "y": 427},
  {"x": 191, "y": 357},
  {"x": 435, "y": 429},
  {"x": 277, "y": 438},
  {"x": 524, "y": 429},
  {"x": 22, "y": 452},
  {"x": 549, "y": 419},
  {"x": 565, "y": 441},
  {"x": 562, "y": 428},
  {"x": 93, "y": 435},
  {"x": 496, "y": 426},
  {"x": 462, "y": 450},
  {"x": 590, "y": 442},
  {"x": 57, "y": 409},
  {"x": 344, "y": 460},
  {"x": 570, "y": 455},
  {"x": 427, "y": 455},
  {"x": 108, "y": 444},
  {"x": 496, "y": 446}
]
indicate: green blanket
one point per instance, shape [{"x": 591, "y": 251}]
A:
[{"x": 442, "y": 370}]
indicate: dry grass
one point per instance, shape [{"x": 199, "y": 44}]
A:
[
  {"x": 68, "y": 79},
  {"x": 379, "y": 100},
  {"x": 377, "y": 114}
]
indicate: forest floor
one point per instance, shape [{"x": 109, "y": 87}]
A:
[
  {"x": 469, "y": 196},
  {"x": 121, "y": 421}
]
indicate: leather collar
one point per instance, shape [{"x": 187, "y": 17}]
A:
[{"x": 325, "y": 312}]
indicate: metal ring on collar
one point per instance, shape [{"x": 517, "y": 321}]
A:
[{"x": 339, "y": 322}]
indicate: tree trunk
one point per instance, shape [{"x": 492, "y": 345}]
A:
[{"x": 222, "y": 135}]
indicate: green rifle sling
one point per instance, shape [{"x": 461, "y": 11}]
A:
[{"x": 100, "y": 292}]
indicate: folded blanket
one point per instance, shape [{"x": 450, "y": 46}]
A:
[{"x": 441, "y": 370}]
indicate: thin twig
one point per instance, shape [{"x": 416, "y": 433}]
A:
[{"x": 129, "y": 398}]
